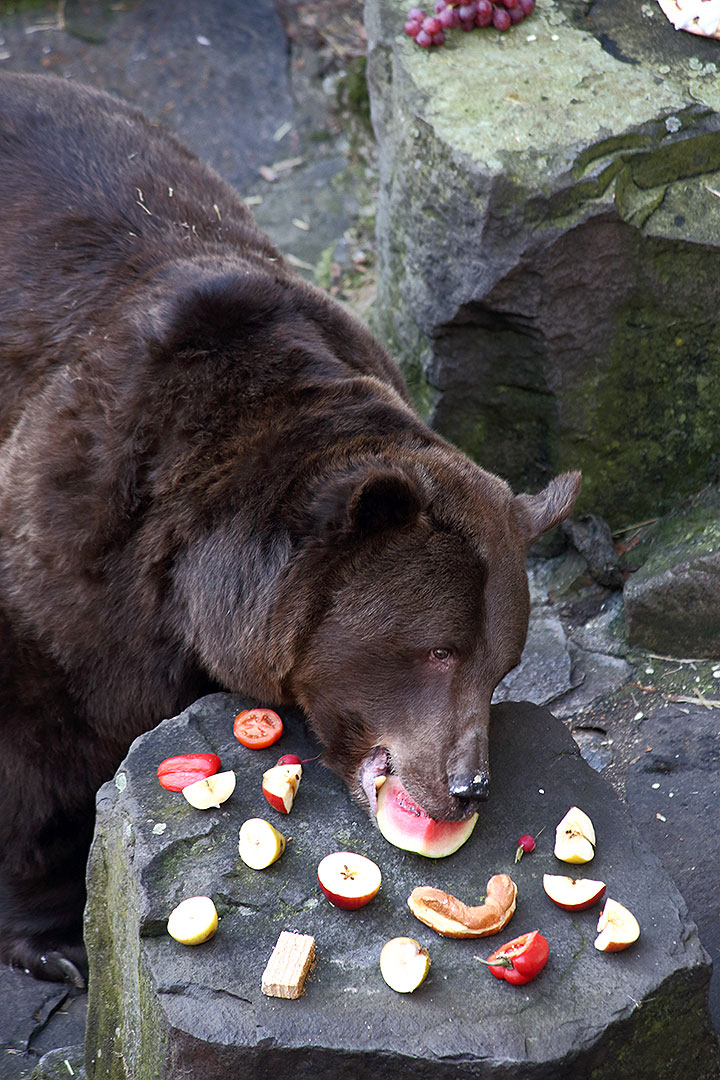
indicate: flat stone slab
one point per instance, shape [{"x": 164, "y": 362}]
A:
[{"x": 157, "y": 1007}]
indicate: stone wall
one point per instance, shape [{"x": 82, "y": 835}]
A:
[{"x": 548, "y": 244}]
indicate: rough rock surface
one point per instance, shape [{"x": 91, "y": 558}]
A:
[
  {"x": 157, "y": 1007},
  {"x": 548, "y": 230},
  {"x": 671, "y": 600}
]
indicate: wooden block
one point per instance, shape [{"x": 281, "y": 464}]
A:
[{"x": 288, "y": 967}]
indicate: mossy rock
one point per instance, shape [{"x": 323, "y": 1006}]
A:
[{"x": 548, "y": 250}]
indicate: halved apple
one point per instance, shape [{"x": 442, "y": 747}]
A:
[
  {"x": 193, "y": 921},
  {"x": 211, "y": 791},
  {"x": 617, "y": 928},
  {"x": 404, "y": 964},
  {"x": 280, "y": 784},
  {"x": 573, "y": 895},
  {"x": 348, "y": 880},
  {"x": 575, "y": 837},
  {"x": 405, "y": 824},
  {"x": 260, "y": 844}
]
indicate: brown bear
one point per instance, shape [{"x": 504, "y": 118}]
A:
[{"x": 211, "y": 476}]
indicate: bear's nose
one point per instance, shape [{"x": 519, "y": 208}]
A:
[{"x": 471, "y": 787}]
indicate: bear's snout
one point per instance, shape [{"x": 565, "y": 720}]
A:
[{"x": 471, "y": 787}]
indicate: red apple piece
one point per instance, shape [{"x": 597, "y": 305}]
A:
[
  {"x": 573, "y": 895},
  {"x": 617, "y": 928},
  {"x": 404, "y": 964},
  {"x": 348, "y": 880},
  {"x": 406, "y": 825},
  {"x": 280, "y": 784}
]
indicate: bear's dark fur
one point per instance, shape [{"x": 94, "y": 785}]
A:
[{"x": 210, "y": 475}]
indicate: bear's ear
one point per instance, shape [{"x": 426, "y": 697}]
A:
[
  {"x": 367, "y": 501},
  {"x": 203, "y": 310},
  {"x": 550, "y": 506}
]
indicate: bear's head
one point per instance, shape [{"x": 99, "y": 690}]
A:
[{"x": 416, "y": 607}]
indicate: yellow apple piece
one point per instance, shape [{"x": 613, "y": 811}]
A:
[
  {"x": 193, "y": 921},
  {"x": 211, "y": 791},
  {"x": 617, "y": 928},
  {"x": 404, "y": 964},
  {"x": 575, "y": 837},
  {"x": 260, "y": 844}
]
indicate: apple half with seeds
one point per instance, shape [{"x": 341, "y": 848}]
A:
[
  {"x": 193, "y": 921},
  {"x": 404, "y": 964},
  {"x": 575, "y": 837},
  {"x": 280, "y": 784},
  {"x": 260, "y": 844},
  {"x": 617, "y": 928},
  {"x": 348, "y": 880},
  {"x": 405, "y": 824},
  {"x": 573, "y": 895}
]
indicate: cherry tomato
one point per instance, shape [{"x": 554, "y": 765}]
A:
[
  {"x": 521, "y": 959},
  {"x": 257, "y": 728},
  {"x": 175, "y": 773}
]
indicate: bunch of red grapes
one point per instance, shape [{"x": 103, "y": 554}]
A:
[{"x": 430, "y": 30}]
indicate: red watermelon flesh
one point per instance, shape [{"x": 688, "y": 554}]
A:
[{"x": 406, "y": 825}]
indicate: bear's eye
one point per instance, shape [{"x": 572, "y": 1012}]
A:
[{"x": 440, "y": 654}]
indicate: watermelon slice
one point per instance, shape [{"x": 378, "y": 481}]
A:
[{"x": 406, "y": 825}]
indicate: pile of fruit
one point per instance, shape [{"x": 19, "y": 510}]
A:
[
  {"x": 430, "y": 30},
  {"x": 350, "y": 880}
]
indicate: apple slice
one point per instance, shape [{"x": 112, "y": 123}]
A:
[
  {"x": 193, "y": 921},
  {"x": 406, "y": 825},
  {"x": 280, "y": 784},
  {"x": 575, "y": 837},
  {"x": 260, "y": 845},
  {"x": 573, "y": 895},
  {"x": 617, "y": 928},
  {"x": 404, "y": 964},
  {"x": 348, "y": 880},
  {"x": 211, "y": 791}
]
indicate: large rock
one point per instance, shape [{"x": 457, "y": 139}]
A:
[
  {"x": 671, "y": 600},
  {"x": 548, "y": 229},
  {"x": 160, "y": 1010}
]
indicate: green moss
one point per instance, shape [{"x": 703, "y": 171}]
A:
[{"x": 651, "y": 422}]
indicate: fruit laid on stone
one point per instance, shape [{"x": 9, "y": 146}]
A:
[
  {"x": 193, "y": 921},
  {"x": 280, "y": 784},
  {"x": 260, "y": 844},
  {"x": 573, "y": 895},
  {"x": 176, "y": 773},
  {"x": 575, "y": 837},
  {"x": 257, "y": 728},
  {"x": 348, "y": 880},
  {"x": 452, "y": 918},
  {"x": 404, "y": 964},
  {"x": 525, "y": 844},
  {"x": 520, "y": 960},
  {"x": 617, "y": 928},
  {"x": 211, "y": 791},
  {"x": 406, "y": 825},
  {"x": 429, "y": 30}
]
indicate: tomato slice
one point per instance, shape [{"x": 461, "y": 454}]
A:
[
  {"x": 176, "y": 773},
  {"x": 257, "y": 728}
]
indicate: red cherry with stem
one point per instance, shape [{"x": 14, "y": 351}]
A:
[{"x": 525, "y": 844}]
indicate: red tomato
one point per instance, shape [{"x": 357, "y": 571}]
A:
[
  {"x": 175, "y": 773},
  {"x": 521, "y": 959},
  {"x": 257, "y": 728}
]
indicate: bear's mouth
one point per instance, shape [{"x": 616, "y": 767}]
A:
[{"x": 373, "y": 770}]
